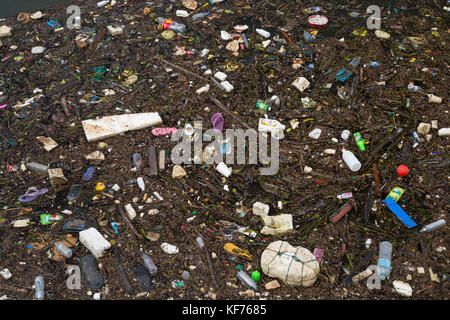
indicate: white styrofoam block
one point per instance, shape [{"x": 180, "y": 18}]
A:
[
  {"x": 130, "y": 211},
  {"x": 260, "y": 209},
  {"x": 115, "y": 30},
  {"x": 220, "y": 76},
  {"x": 94, "y": 242},
  {"x": 228, "y": 86},
  {"x": 98, "y": 129}
]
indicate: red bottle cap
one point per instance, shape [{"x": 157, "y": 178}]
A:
[{"x": 402, "y": 170}]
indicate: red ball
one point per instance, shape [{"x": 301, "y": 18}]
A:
[{"x": 402, "y": 170}]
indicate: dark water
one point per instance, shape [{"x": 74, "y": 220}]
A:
[{"x": 10, "y": 8}]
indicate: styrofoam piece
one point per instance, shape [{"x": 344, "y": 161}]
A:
[
  {"x": 228, "y": 86},
  {"x": 130, "y": 211},
  {"x": 219, "y": 75},
  {"x": 109, "y": 126},
  {"x": 203, "y": 89},
  {"x": 260, "y": 209},
  {"x": 114, "y": 30},
  {"x": 223, "y": 169},
  {"x": 94, "y": 242},
  {"x": 315, "y": 134},
  {"x": 402, "y": 288}
]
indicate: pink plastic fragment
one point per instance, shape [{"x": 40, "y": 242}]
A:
[{"x": 163, "y": 131}]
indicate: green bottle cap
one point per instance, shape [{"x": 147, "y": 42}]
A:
[{"x": 256, "y": 275}]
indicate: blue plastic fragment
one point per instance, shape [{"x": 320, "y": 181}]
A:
[
  {"x": 115, "y": 226},
  {"x": 12, "y": 143},
  {"x": 89, "y": 174},
  {"x": 343, "y": 75},
  {"x": 399, "y": 212},
  {"x": 54, "y": 24}
]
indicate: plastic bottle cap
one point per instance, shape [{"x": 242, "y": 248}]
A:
[
  {"x": 402, "y": 170},
  {"x": 256, "y": 275}
]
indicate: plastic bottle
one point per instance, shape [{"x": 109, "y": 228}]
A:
[
  {"x": 74, "y": 192},
  {"x": 66, "y": 252},
  {"x": 39, "y": 288},
  {"x": 141, "y": 184},
  {"x": 262, "y": 105},
  {"x": 171, "y": 25},
  {"x": 201, "y": 15},
  {"x": 355, "y": 62},
  {"x": 443, "y": 132},
  {"x": 247, "y": 280},
  {"x": 148, "y": 263},
  {"x": 350, "y": 160},
  {"x": 308, "y": 37},
  {"x": 34, "y": 166},
  {"x": 102, "y": 3},
  {"x": 263, "y": 33},
  {"x": 137, "y": 161},
  {"x": 346, "y": 195},
  {"x": 49, "y": 218},
  {"x": 185, "y": 275},
  {"x": 433, "y": 226},
  {"x": 384, "y": 259},
  {"x": 359, "y": 141},
  {"x": 200, "y": 242}
]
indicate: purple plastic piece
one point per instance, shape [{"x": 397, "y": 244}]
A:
[
  {"x": 217, "y": 122},
  {"x": 31, "y": 195},
  {"x": 318, "y": 253}
]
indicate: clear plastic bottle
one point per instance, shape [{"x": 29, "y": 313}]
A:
[
  {"x": 433, "y": 226},
  {"x": 201, "y": 15},
  {"x": 39, "y": 288},
  {"x": 141, "y": 183},
  {"x": 263, "y": 33},
  {"x": 346, "y": 195},
  {"x": 171, "y": 25},
  {"x": 384, "y": 259},
  {"x": 66, "y": 252},
  {"x": 247, "y": 280},
  {"x": 137, "y": 161},
  {"x": 200, "y": 242},
  {"x": 355, "y": 62},
  {"x": 350, "y": 160},
  {"x": 148, "y": 263},
  {"x": 185, "y": 275},
  {"x": 34, "y": 166},
  {"x": 308, "y": 37}
]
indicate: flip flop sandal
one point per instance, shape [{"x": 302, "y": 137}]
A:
[
  {"x": 31, "y": 195},
  {"x": 78, "y": 225},
  {"x": 90, "y": 275}
]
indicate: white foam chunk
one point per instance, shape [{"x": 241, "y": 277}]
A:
[
  {"x": 98, "y": 129},
  {"x": 94, "y": 242}
]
